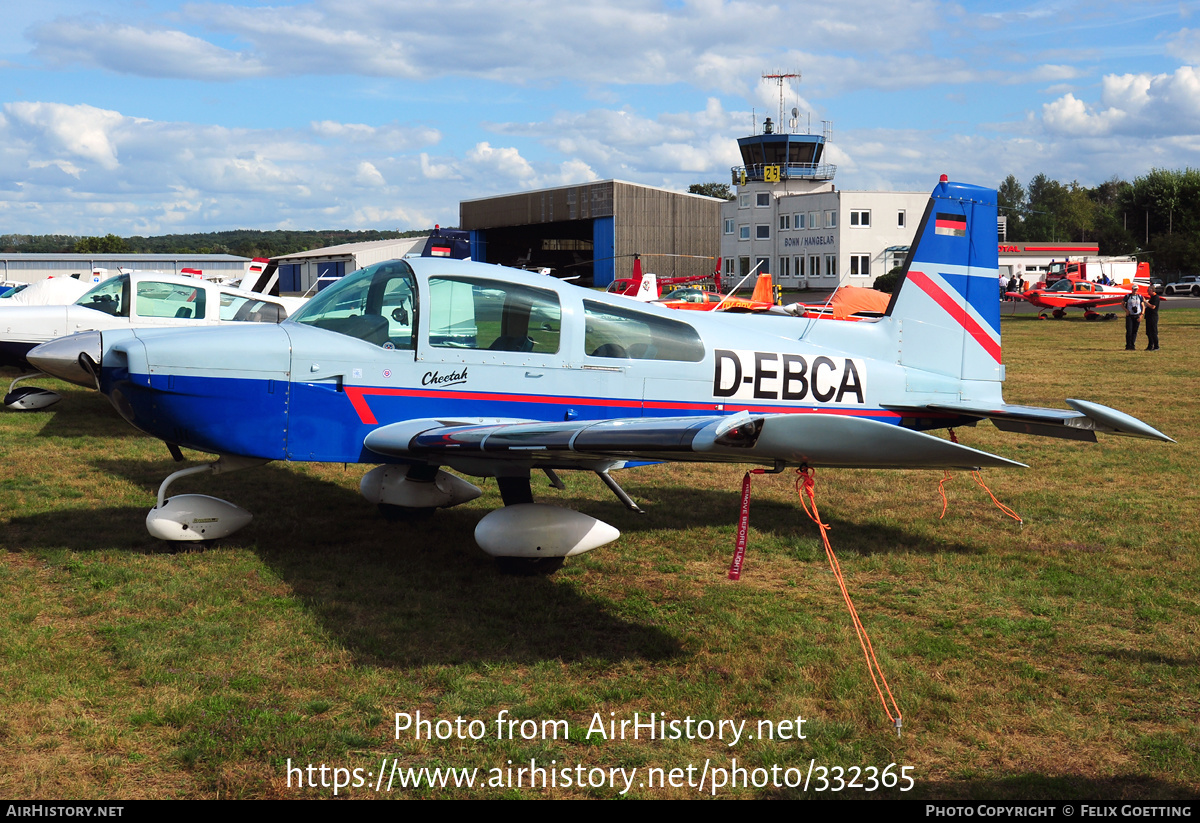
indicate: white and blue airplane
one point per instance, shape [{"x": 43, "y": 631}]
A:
[{"x": 423, "y": 365}]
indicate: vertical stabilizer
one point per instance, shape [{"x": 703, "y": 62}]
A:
[
  {"x": 647, "y": 288},
  {"x": 949, "y": 298},
  {"x": 764, "y": 289}
]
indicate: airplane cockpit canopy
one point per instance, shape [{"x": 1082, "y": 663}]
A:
[
  {"x": 379, "y": 305},
  {"x": 110, "y": 297},
  {"x": 376, "y": 304},
  {"x": 685, "y": 295}
]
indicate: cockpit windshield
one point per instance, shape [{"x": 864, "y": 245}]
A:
[
  {"x": 110, "y": 297},
  {"x": 376, "y": 304},
  {"x": 1061, "y": 285},
  {"x": 685, "y": 295}
]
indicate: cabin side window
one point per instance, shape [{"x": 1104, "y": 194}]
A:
[
  {"x": 238, "y": 308},
  {"x": 622, "y": 333},
  {"x": 376, "y": 304},
  {"x": 157, "y": 299},
  {"x": 494, "y": 315}
]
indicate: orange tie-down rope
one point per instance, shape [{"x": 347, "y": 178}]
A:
[
  {"x": 978, "y": 479},
  {"x": 806, "y": 477}
]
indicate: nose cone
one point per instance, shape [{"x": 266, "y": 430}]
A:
[{"x": 71, "y": 358}]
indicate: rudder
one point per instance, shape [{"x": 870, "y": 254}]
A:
[{"x": 948, "y": 299}]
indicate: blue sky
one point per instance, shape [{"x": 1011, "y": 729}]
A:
[{"x": 156, "y": 117}]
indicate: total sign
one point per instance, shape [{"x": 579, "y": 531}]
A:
[{"x": 764, "y": 375}]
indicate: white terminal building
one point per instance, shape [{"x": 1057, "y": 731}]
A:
[{"x": 790, "y": 220}]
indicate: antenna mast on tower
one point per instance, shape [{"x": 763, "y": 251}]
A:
[{"x": 780, "y": 77}]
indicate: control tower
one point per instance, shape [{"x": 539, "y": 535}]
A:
[
  {"x": 790, "y": 221},
  {"x": 772, "y": 157}
]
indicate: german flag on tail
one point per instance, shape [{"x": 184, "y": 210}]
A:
[{"x": 954, "y": 225}]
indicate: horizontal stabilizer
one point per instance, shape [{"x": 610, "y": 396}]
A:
[
  {"x": 1080, "y": 424},
  {"x": 1117, "y": 422}
]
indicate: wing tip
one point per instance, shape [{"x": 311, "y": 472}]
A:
[{"x": 1118, "y": 421}]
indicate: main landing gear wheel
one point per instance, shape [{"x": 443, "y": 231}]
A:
[
  {"x": 516, "y": 491},
  {"x": 528, "y": 538},
  {"x": 1059, "y": 314}
]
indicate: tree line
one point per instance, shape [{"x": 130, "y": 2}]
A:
[
  {"x": 240, "y": 242},
  {"x": 1156, "y": 217}
]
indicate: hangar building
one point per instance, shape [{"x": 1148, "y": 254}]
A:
[
  {"x": 594, "y": 229},
  {"x": 30, "y": 268},
  {"x": 300, "y": 271}
]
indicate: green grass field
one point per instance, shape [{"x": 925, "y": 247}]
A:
[{"x": 1052, "y": 660}]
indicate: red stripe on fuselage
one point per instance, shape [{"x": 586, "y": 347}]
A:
[
  {"x": 951, "y": 307},
  {"x": 358, "y": 395}
]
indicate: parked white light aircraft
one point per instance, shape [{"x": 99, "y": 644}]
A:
[
  {"x": 429, "y": 364},
  {"x": 129, "y": 300}
]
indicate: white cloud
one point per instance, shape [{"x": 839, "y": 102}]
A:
[
  {"x": 568, "y": 173},
  {"x": 437, "y": 171},
  {"x": 1069, "y": 115},
  {"x": 654, "y": 91},
  {"x": 391, "y": 136},
  {"x": 65, "y": 166},
  {"x": 131, "y": 175},
  {"x": 1045, "y": 73},
  {"x": 368, "y": 175},
  {"x": 503, "y": 162},
  {"x": 127, "y": 49},
  {"x": 330, "y": 128},
  {"x": 673, "y": 149},
  {"x": 85, "y": 132},
  {"x": 390, "y": 217},
  {"x": 1142, "y": 104},
  {"x": 522, "y": 42},
  {"x": 1185, "y": 45}
]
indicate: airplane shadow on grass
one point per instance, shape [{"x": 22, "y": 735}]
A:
[
  {"x": 420, "y": 591},
  {"x": 81, "y": 413}
]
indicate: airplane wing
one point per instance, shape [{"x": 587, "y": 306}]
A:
[
  {"x": 818, "y": 440},
  {"x": 1110, "y": 300},
  {"x": 1080, "y": 424}
]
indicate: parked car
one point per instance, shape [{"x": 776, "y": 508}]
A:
[{"x": 1189, "y": 284}]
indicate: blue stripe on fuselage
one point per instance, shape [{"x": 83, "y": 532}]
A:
[{"x": 251, "y": 417}]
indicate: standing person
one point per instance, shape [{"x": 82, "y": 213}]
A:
[
  {"x": 1133, "y": 318},
  {"x": 1152, "y": 319}
]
